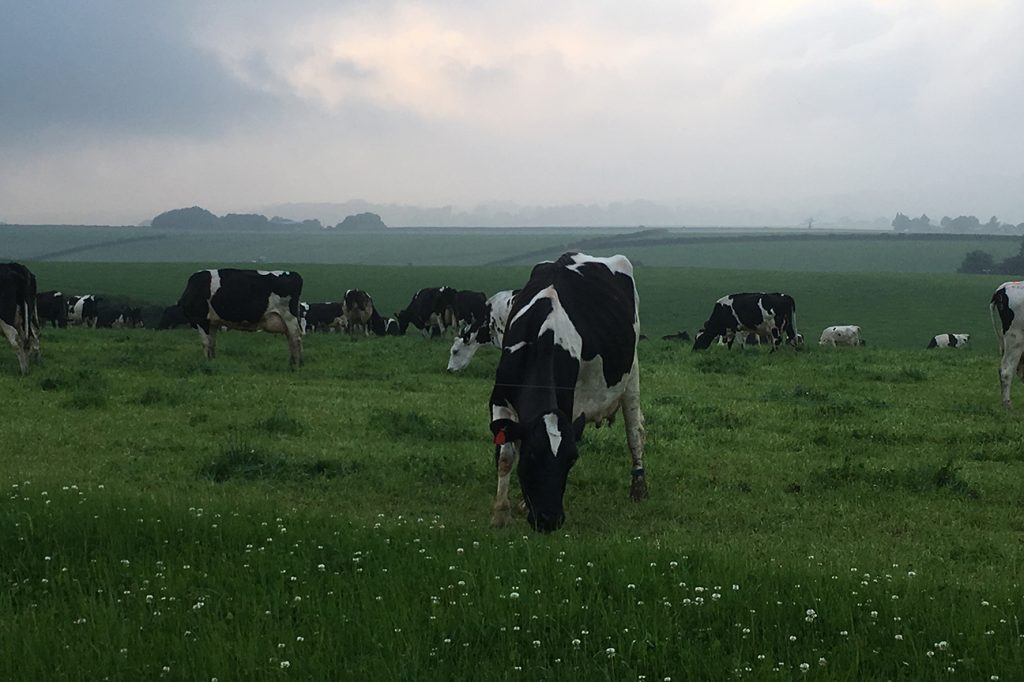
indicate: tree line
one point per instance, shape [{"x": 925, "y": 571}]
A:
[
  {"x": 200, "y": 219},
  {"x": 965, "y": 224}
]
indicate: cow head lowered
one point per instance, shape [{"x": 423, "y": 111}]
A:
[{"x": 546, "y": 448}]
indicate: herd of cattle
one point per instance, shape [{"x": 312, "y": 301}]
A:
[{"x": 568, "y": 341}]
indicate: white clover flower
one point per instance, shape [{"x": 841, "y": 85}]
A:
[
  {"x": 804, "y": 667},
  {"x": 899, "y": 638},
  {"x": 609, "y": 652},
  {"x": 285, "y": 665},
  {"x": 942, "y": 646},
  {"x": 576, "y": 643},
  {"x": 822, "y": 662},
  {"x": 513, "y": 595}
]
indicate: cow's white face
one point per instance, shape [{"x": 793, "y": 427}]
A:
[{"x": 462, "y": 352}]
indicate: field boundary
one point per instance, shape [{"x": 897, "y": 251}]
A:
[{"x": 97, "y": 245}]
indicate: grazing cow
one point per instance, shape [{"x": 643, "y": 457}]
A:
[
  {"x": 117, "y": 316},
  {"x": 358, "y": 307},
  {"x": 841, "y": 335},
  {"x": 489, "y": 328},
  {"x": 431, "y": 310},
  {"x": 19, "y": 321},
  {"x": 383, "y": 327},
  {"x": 949, "y": 341},
  {"x": 51, "y": 308},
  {"x": 248, "y": 300},
  {"x": 1007, "y": 310},
  {"x": 678, "y": 336},
  {"x": 767, "y": 315},
  {"x": 468, "y": 308},
  {"x": 172, "y": 316},
  {"x": 568, "y": 357},
  {"x": 322, "y": 317},
  {"x": 83, "y": 310}
]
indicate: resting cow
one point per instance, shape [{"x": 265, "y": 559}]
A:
[
  {"x": 490, "y": 328},
  {"x": 767, "y": 315},
  {"x": 248, "y": 300},
  {"x": 321, "y": 317},
  {"x": 568, "y": 357},
  {"x": 19, "y": 322},
  {"x": 949, "y": 341}
]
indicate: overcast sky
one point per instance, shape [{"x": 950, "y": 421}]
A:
[{"x": 115, "y": 110}]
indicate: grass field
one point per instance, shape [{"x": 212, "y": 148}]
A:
[
  {"x": 425, "y": 247},
  {"x": 842, "y": 514}
]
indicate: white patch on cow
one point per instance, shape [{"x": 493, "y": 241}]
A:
[
  {"x": 276, "y": 273},
  {"x": 617, "y": 263},
  {"x": 517, "y": 346},
  {"x": 214, "y": 282},
  {"x": 557, "y": 321},
  {"x": 554, "y": 435}
]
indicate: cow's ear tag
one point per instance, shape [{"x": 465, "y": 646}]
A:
[{"x": 499, "y": 437}]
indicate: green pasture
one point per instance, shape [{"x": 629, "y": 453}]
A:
[
  {"x": 726, "y": 248},
  {"x": 833, "y": 514},
  {"x": 895, "y": 310}
]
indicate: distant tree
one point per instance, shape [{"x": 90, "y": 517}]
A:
[
  {"x": 194, "y": 218},
  {"x": 361, "y": 222},
  {"x": 964, "y": 224},
  {"x": 901, "y": 223},
  {"x": 977, "y": 263},
  {"x": 245, "y": 222}
]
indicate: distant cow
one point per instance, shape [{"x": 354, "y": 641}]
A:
[
  {"x": 489, "y": 328},
  {"x": 19, "y": 321},
  {"x": 431, "y": 310},
  {"x": 83, "y": 310},
  {"x": 769, "y": 315},
  {"x": 117, "y": 316},
  {"x": 841, "y": 335},
  {"x": 172, "y": 316},
  {"x": 51, "y": 308},
  {"x": 678, "y": 336},
  {"x": 569, "y": 356},
  {"x": 1007, "y": 310},
  {"x": 383, "y": 326},
  {"x": 248, "y": 300},
  {"x": 949, "y": 341},
  {"x": 322, "y": 317},
  {"x": 358, "y": 307}
]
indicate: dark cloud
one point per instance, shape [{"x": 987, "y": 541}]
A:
[{"x": 106, "y": 65}]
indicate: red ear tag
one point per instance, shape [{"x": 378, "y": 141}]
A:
[{"x": 499, "y": 437}]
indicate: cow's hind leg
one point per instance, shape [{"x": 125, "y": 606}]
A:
[
  {"x": 1013, "y": 347},
  {"x": 294, "y": 334},
  {"x": 633, "y": 418},
  {"x": 16, "y": 343}
]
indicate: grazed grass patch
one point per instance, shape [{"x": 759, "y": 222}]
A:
[
  {"x": 280, "y": 422},
  {"x": 921, "y": 479}
]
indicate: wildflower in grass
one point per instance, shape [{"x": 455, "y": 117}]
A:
[
  {"x": 810, "y": 615},
  {"x": 942, "y": 646},
  {"x": 285, "y": 665},
  {"x": 804, "y": 667},
  {"x": 899, "y": 638},
  {"x": 513, "y": 595},
  {"x": 576, "y": 643},
  {"x": 792, "y": 638},
  {"x": 610, "y": 652},
  {"x": 822, "y": 662}
]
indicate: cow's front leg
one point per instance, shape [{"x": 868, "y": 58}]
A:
[
  {"x": 501, "y": 514},
  {"x": 635, "y": 436},
  {"x": 208, "y": 337}
]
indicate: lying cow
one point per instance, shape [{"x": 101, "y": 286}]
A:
[
  {"x": 768, "y": 315},
  {"x": 248, "y": 300},
  {"x": 568, "y": 357},
  {"x": 322, "y": 317},
  {"x": 841, "y": 335},
  {"x": 19, "y": 322},
  {"x": 489, "y": 329},
  {"x": 1007, "y": 310},
  {"x": 949, "y": 341}
]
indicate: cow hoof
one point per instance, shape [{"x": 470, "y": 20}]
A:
[
  {"x": 501, "y": 518},
  {"x": 638, "y": 489}
]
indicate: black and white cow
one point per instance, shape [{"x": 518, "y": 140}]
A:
[
  {"x": 490, "y": 328},
  {"x": 1007, "y": 310},
  {"x": 769, "y": 315},
  {"x": 51, "y": 308},
  {"x": 383, "y": 326},
  {"x": 322, "y": 317},
  {"x": 431, "y": 310},
  {"x": 949, "y": 341},
  {"x": 83, "y": 310},
  {"x": 19, "y": 322},
  {"x": 111, "y": 315},
  {"x": 841, "y": 335},
  {"x": 358, "y": 311},
  {"x": 568, "y": 357},
  {"x": 248, "y": 300},
  {"x": 468, "y": 308},
  {"x": 172, "y": 316}
]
